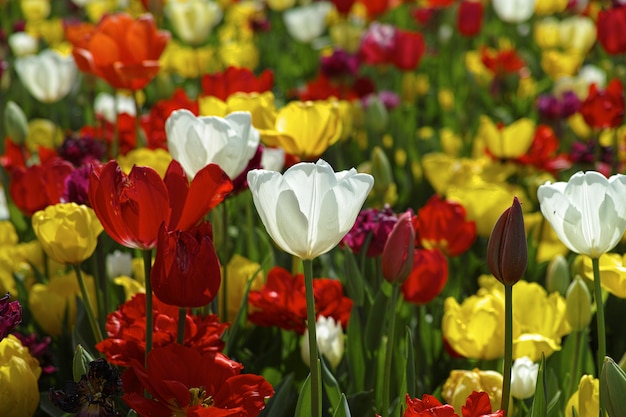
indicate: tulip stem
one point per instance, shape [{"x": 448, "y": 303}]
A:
[
  {"x": 95, "y": 328},
  {"x": 597, "y": 289},
  {"x": 182, "y": 319},
  {"x": 391, "y": 314},
  {"x": 574, "y": 376},
  {"x": 139, "y": 142},
  {"x": 147, "y": 267},
  {"x": 316, "y": 387},
  {"x": 508, "y": 347}
]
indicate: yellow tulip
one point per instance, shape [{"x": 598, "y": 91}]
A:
[
  {"x": 242, "y": 54},
  {"x": 445, "y": 96},
  {"x": 549, "y": 7},
  {"x": 136, "y": 283},
  {"x": 451, "y": 142},
  {"x": 474, "y": 64},
  {"x": 280, "y": 5},
  {"x": 186, "y": 61},
  {"x": 586, "y": 401},
  {"x": 212, "y": 106},
  {"x": 260, "y": 106},
  {"x": 19, "y": 258},
  {"x": 507, "y": 142},
  {"x": 157, "y": 159},
  {"x": 68, "y": 232},
  {"x": 35, "y": 10},
  {"x": 546, "y": 33},
  {"x": 461, "y": 383},
  {"x": 97, "y": 8},
  {"x": 42, "y": 132},
  {"x": 346, "y": 34},
  {"x": 19, "y": 374},
  {"x": 49, "y": 303},
  {"x": 238, "y": 271},
  {"x": 8, "y": 235},
  {"x": 577, "y": 34},
  {"x": 305, "y": 129},
  {"x": 475, "y": 328},
  {"x": 612, "y": 272},
  {"x": 561, "y": 64}
]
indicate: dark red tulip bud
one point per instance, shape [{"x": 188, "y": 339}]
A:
[
  {"x": 507, "y": 253},
  {"x": 397, "y": 257}
]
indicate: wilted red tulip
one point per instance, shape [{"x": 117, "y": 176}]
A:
[
  {"x": 507, "y": 253},
  {"x": 38, "y": 186},
  {"x": 186, "y": 270},
  {"x": 236, "y": 80},
  {"x": 122, "y": 51},
  {"x": 470, "y": 17},
  {"x": 132, "y": 207},
  {"x": 397, "y": 258},
  {"x": 428, "y": 277},
  {"x": 611, "y": 34},
  {"x": 604, "y": 108},
  {"x": 442, "y": 224}
]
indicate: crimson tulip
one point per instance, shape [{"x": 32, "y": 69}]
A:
[
  {"x": 236, "y": 80},
  {"x": 132, "y": 207},
  {"x": 611, "y": 34},
  {"x": 186, "y": 270},
  {"x": 35, "y": 187},
  {"x": 470, "y": 17},
  {"x": 604, "y": 108},
  {"x": 507, "y": 252},
  {"x": 428, "y": 406},
  {"x": 408, "y": 50},
  {"x": 397, "y": 257},
  {"x": 428, "y": 277}
]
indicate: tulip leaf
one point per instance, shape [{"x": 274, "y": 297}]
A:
[
  {"x": 281, "y": 403},
  {"x": 355, "y": 284},
  {"x": 354, "y": 352},
  {"x": 331, "y": 386},
  {"x": 375, "y": 322},
  {"x": 540, "y": 407},
  {"x": 343, "y": 409},
  {"x": 410, "y": 363},
  {"x": 303, "y": 406}
]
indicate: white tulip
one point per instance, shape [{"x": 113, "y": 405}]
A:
[
  {"x": 119, "y": 263},
  {"x": 273, "y": 159},
  {"x": 4, "y": 207},
  {"x": 305, "y": 23},
  {"x": 524, "y": 378},
  {"x": 330, "y": 341},
  {"x": 588, "y": 213},
  {"x": 23, "y": 44},
  {"x": 193, "y": 20},
  {"x": 310, "y": 208},
  {"x": 514, "y": 11},
  {"x": 48, "y": 76},
  {"x": 109, "y": 106},
  {"x": 196, "y": 141}
]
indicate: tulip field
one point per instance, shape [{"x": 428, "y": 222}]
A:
[{"x": 313, "y": 208}]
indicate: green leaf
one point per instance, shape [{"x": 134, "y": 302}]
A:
[
  {"x": 303, "y": 406},
  {"x": 80, "y": 363},
  {"x": 354, "y": 352},
  {"x": 282, "y": 403},
  {"x": 540, "y": 408},
  {"x": 376, "y": 322},
  {"x": 331, "y": 387},
  {"x": 410, "y": 363},
  {"x": 342, "y": 410},
  {"x": 355, "y": 284}
]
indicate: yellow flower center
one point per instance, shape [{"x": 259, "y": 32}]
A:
[{"x": 200, "y": 397}]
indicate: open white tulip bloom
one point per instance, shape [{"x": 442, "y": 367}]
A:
[
  {"x": 308, "y": 22},
  {"x": 48, "y": 76},
  {"x": 308, "y": 209},
  {"x": 514, "y": 11},
  {"x": 588, "y": 213},
  {"x": 193, "y": 20},
  {"x": 196, "y": 141},
  {"x": 524, "y": 378}
]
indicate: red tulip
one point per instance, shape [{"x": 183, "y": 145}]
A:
[
  {"x": 470, "y": 17},
  {"x": 408, "y": 50},
  {"x": 428, "y": 277},
  {"x": 122, "y": 51},
  {"x": 442, "y": 224},
  {"x": 428, "y": 406},
  {"x": 184, "y": 382},
  {"x": 38, "y": 186},
  {"x": 132, "y": 207},
  {"x": 397, "y": 257},
  {"x": 186, "y": 270},
  {"x": 507, "y": 252},
  {"x": 236, "y": 80},
  {"x": 611, "y": 34},
  {"x": 604, "y": 108}
]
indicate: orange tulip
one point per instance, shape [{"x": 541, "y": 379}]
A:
[{"x": 121, "y": 50}]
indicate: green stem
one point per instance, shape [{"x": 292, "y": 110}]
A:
[
  {"x": 139, "y": 139},
  {"x": 574, "y": 377},
  {"x": 508, "y": 347},
  {"x": 182, "y": 320},
  {"x": 103, "y": 296},
  {"x": 95, "y": 328},
  {"x": 147, "y": 267},
  {"x": 597, "y": 289},
  {"x": 316, "y": 386},
  {"x": 391, "y": 314}
]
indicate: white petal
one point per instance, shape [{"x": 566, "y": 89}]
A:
[{"x": 554, "y": 207}]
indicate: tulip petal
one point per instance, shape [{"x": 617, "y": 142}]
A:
[{"x": 292, "y": 226}]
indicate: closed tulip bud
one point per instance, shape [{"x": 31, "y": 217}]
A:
[
  {"x": 524, "y": 378},
  {"x": 15, "y": 123},
  {"x": 507, "y": 253},
  {"x": 381, "y": 171},
  {"x": 376, "y": 115},
  {"x": 330, "y": 341},
  {"x": 578, "y": 304},
  {"x": 397, "y": 257},
  {"x": 80, "y": 362},
  {"x": 613, "y": 388},
  {"x": 557, "y": 275}
]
